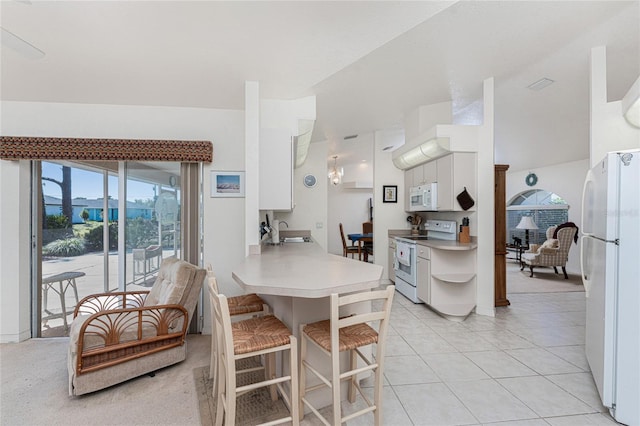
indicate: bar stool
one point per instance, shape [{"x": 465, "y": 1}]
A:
[
  {"x": 240, "y": 307},
  {"x": 236, "y": 341},
  {"x": 348, "y": 334}
]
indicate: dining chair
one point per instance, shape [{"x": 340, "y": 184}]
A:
[
  {"x": 241, "y": 340},
  {"x": 350, "y": 333},
  {"x": 367, "y": 227},
  {"x": 345, "y": 248},
  {"x": 367, "y": 246}
]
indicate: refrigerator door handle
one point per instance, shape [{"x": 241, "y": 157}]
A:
[
  {"x": 585, "y": 279},
  {"x": 585, "y": 225}
]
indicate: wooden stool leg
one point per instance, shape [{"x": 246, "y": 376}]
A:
[
  {"x": 335, "y": 388},
  {"x": 353, "y": 360},
  {"x": 294, "y": 397},
  {"x": 303, "y": 371},
  {"x": 270, "y": 372}
]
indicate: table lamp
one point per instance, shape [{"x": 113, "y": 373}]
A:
[{"x": 526, "y": 223}]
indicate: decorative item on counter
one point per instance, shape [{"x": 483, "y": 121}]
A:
[
  {"x": 465, "y": 200},
  {"x": 415, "y": 221},
  {"x": 464, "y": 231}
]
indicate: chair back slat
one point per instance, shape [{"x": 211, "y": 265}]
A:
[{"x": 380, "y": 315}]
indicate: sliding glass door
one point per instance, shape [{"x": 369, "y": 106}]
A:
[{"x": 101, "y": 227}]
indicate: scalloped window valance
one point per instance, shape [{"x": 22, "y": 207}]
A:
[{"x": 40, "y": 148}]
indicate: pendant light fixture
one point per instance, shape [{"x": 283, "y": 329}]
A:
[{"x": 335, "y": 174}]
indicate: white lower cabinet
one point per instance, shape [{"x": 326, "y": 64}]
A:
[
  {"x": 423, "y": 283},
  {"x": 453, "y": 282}
]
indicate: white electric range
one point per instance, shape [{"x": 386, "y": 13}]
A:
[{"x": 405, "y": 262}]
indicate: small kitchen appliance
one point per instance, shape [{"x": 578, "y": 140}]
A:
[{"x": 423, "y": 198}]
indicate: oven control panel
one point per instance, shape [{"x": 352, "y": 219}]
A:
[{"x": 441, "y": 229}]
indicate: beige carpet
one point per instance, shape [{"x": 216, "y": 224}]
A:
[
  {"x": 251, "y": 408},
  {"x": 544, "y": 280}
]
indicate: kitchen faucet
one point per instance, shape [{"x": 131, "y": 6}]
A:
[
  {"x": 282, "y": 221},
  {"x": 264, "y": 229}
]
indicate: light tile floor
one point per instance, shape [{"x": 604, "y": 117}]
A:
[{"x": 526, "y": 366}]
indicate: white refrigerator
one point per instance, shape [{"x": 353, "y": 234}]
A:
[{"x": 610, "y": 262}]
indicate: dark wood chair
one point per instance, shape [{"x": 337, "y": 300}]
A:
[
  {"x": 367, "y": 243},
  {"x": 345, "y": 248}
]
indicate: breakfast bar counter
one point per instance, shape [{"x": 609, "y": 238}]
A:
[{"x": 304, "y": 270}]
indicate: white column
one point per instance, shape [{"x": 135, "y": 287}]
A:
[
  {"x": 252, "y": 166},
  {"x": 15, "y": 257},
  {"x": 486, "y": 207}
]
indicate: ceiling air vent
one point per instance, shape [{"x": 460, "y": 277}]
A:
[{"x": 540, "y": 84}]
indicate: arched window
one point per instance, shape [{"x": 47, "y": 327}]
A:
[{"x": 545, "y": 207}]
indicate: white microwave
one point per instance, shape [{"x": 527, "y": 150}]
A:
[{"x": 423, "y": 198}]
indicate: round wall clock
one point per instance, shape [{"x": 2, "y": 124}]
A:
[
  {"x": 531, "y": 179},
  {"x": 309, "y": 181}
]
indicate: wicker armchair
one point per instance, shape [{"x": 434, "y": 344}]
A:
[
  {"x": 121, "y": 335},
  {"x": 550, "y": 253}
]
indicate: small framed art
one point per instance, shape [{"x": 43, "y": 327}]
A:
[
  {"x": 227, "y": 184},
  {"x": 389, "y": 193}
]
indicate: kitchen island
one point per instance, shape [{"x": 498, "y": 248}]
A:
[{"x": 296, "y": 280}]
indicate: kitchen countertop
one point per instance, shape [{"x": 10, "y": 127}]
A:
[
  {"x": 437, "y": 244},
  {"x": 304, "y": 270}
]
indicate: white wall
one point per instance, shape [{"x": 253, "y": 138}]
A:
[
  {"x": 15, "y": 292},
  {"x": 310, "y": 212},
  {"x": 223, "y": 217},
  {"x": 386, "y": 215},
  {"x": 609, "y": 129},
  {"x": 564, "y": 179}
]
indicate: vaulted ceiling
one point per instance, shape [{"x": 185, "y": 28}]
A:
[{"x": 369, "y": 63}]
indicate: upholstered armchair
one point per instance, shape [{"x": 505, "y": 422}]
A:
[
  {"x": 121, "y": 335},
  {"x": 553, "y": 252}
]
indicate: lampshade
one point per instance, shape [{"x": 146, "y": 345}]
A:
[
  {"x": 526, "y": 222},
  {"x": 335, "y": 174}
]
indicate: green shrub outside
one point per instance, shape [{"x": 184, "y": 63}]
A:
[
  {"x": 67, "y": 247},
  {"x": 141, "y": 233},
  {"x": 57, "y": 222},
  {"x": 94, "y": 238}
]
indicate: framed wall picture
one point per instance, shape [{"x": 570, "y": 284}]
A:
[
  {"x": 389, "y": 193},
  {"x": 227, "y": 184}
]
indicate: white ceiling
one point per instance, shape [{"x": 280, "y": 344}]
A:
[{"x": 369, "y": 63}]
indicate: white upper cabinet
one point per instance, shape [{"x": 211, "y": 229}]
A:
[
  {"x": 276, "y": 169},
  {"x": 455, "y": 172},
  {"x": 430, "y": 172}
]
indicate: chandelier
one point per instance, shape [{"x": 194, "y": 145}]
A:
[{"x": 335, "y": 174}]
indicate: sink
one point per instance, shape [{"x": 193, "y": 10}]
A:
[
  {"x": 295, "y": 236},
  {"x": 295, "y": 240}
]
